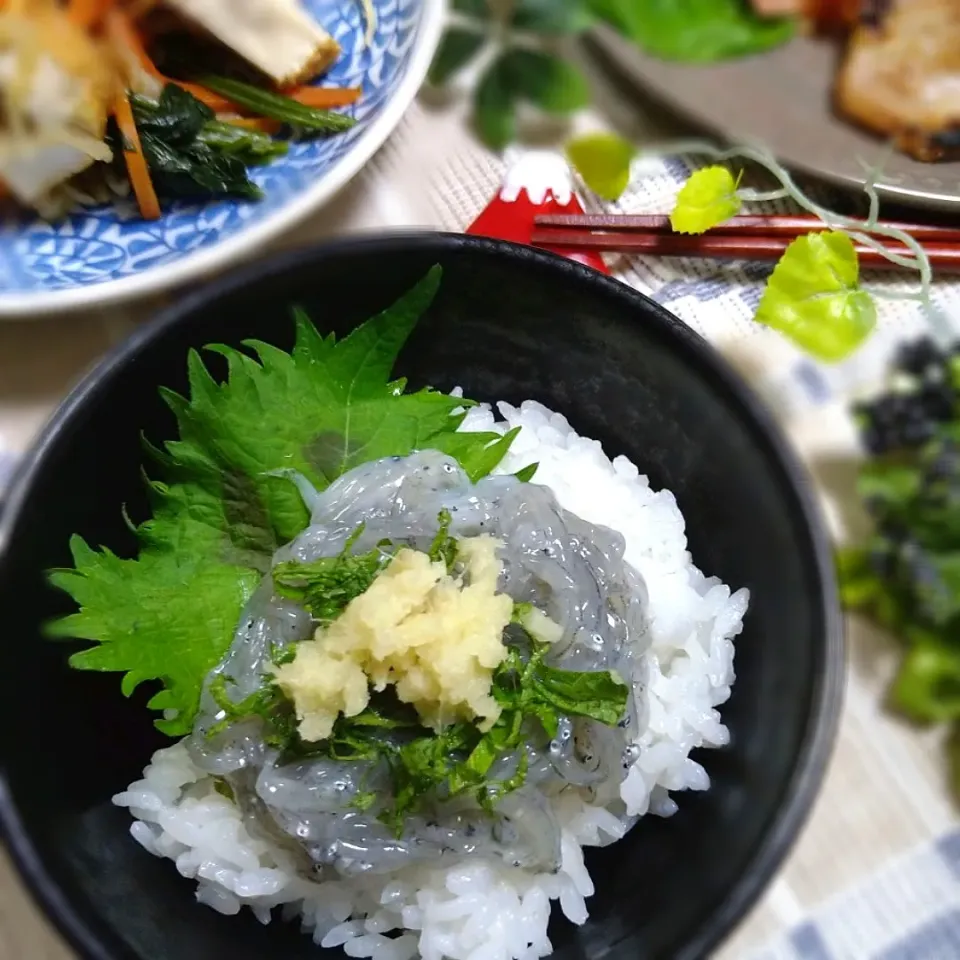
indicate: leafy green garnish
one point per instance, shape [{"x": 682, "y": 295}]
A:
[
  {"x": 444, "y": 547},
  {"x": 190, "y": 154},
  {"x": 707, "y": 199},
  {"x": 695, "y": 31},
  {"x": 427, "y": 766},
  {"x": 276, "y": 106},
  {"x": 220, "y": 510},
  {"x": 248, "y": 146},
  {"x": 603, "y": 161},
  {"x": 527, "y": 473},
  {"x": 814, "y": 296},
  {"x": 325, "y": 586}
]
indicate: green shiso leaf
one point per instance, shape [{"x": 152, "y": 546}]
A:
[
  {"x": 706, "y": 200},
  {"x": 169, "y": 615}
]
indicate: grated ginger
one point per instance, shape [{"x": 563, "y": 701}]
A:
[{"x": 436, "y": 638}]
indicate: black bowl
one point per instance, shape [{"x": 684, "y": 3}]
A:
[{"x": 510, "y": 323}]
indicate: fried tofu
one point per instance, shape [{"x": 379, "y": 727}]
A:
[{"x": 278, "y": 37}]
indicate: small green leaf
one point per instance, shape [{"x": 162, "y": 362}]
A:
[
  {"x": 456, "y": 50},
  {"x": 603, "y": 161},
  {"x": 547, "y": 81},
  {"x": 706, "y": 200},
  {"x": 602, "y": 696},
  {"x": 327, "y": 585},
  {"x": 813, "y": 297},
  {"x": 527, "y": 473},
  {"x": 494, "y": 107},
  {"x": 444, "y": 547}
]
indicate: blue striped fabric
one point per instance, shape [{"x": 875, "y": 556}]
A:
[{"x": 908, "y": 911}]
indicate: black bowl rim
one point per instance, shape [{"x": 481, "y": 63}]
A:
[{"x": 817, "y": 749}]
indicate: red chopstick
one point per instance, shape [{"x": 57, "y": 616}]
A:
[{"x": 756, "y": 237}]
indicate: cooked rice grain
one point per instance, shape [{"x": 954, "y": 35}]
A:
[{"x": 482, "y": 909}]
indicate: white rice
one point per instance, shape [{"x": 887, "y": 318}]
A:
[{"x": 482, "y": 909}]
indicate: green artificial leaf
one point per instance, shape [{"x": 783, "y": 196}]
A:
[
  {"x": 552, "y": 17},
  {"x": 220, "y": 511},
  {"x": 694, "y": 31},
  {"x": 707, "y": 199},
  {"x": 603, "y": 161},
  {"x": 495, "y": 106},
  {"x": 549, "y": 82},
  {"x": 927, "y": 686},
  {"x": 455, "y": 52},
  {"x": 814, "y": 298}
]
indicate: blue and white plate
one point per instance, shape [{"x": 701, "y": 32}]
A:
[{"x": 105, "y": 254}]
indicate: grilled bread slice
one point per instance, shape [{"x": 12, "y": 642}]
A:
[{"x": 901, "y": 76}]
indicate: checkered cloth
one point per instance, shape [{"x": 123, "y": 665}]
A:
[
  {"x": 876, "y": 873},
  {"x": 910, "y": 910}
]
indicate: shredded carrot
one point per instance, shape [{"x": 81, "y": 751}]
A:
[
  {"x": 122, "y": 33},
  {"x": 88, "y": 14},
  {"x": 136, "y": 162},
  {"x": 324, "y": 97},
  {"x": 263, "y": 124}
]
